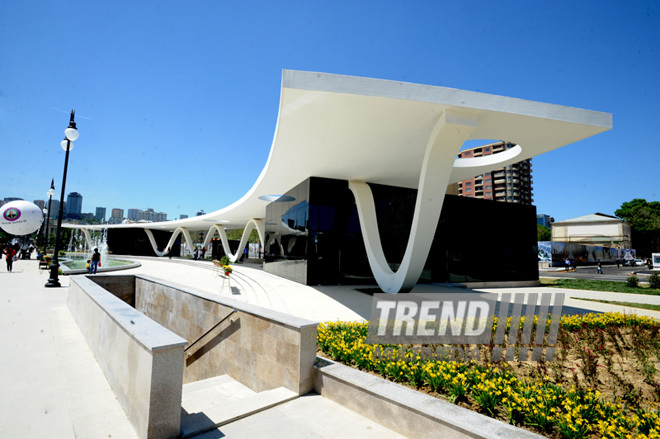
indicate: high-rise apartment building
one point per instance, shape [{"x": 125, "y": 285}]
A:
[
  {"x": 54, "y": 208},
  {"x": 511, "y": 184},
  {"x": 73, "y": 206},
  {"x": 117, "y": 216},
  {"x": 151, "y": 215},
  {"x": 100, "y": 214},
  {"x": 133, "y": 214},
  {"x": 40, "y": 204},
  {"x": 544, "y": 220}
]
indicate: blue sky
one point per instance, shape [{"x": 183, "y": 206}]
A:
[{"x": 176, "y": 102}]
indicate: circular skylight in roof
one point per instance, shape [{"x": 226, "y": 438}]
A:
[{"x": 276, "y": 198}]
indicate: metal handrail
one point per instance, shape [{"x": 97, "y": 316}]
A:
[{"x": 206, "y": 333}]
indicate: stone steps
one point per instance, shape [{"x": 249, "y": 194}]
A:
[{"x": 215, "y": 402}]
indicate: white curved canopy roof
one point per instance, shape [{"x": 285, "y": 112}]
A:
[{"x": 374, "y": 130}]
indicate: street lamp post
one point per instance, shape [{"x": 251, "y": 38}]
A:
[
  {"x": 50, "y": 194},
  {"x": 71, "y": 134}
]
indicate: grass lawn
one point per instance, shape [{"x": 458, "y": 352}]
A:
[
  {"x": 629, "y": 304},
  {"x": 598, "y": 285}
]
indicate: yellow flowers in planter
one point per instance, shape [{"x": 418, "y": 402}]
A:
[{"x": 534, "y": 402}]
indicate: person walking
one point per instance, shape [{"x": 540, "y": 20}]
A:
[
  {"x": 11, "y": 254},
  {"x": 599, "y": 267},
  {"x": 95, "y": 261}
]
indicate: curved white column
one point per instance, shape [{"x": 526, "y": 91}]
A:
[
  {"x": 175, "y": 234},
  {"x": 252, "y": 224},
  {"x": 445, "y": 141}
]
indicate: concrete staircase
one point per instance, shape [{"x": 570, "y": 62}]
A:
[{"x": 214, "y": 402}]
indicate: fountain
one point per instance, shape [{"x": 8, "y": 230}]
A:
[{"x": 101, "y": 242}]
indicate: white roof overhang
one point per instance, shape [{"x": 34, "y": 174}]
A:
[{"x": 375, "y": 130}]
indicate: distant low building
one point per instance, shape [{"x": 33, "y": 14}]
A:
[{"x": 594, "y": 229}]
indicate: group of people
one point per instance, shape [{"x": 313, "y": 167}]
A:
[
  {"x": 570, "y": 264},
  {"x": 199, "y": 253},
  {"x": 11, "y": 252}
]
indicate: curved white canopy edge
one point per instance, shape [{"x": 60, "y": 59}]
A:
[{"x": 375, "y": 130}]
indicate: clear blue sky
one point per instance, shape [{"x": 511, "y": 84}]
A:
[{"x": 176, "y": 102}]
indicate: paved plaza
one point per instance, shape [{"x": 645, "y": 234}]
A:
[{"x": 53, "y": 387}]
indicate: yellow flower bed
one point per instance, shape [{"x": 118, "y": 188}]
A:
[{"x": 537, "y": 403}]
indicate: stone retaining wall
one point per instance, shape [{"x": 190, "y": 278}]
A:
[
  {"x": 142, "y": 361},
  {"x": 261, "y": 348},
  {"x": 406, "y": 411}
]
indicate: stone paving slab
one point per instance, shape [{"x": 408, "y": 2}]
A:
[{"x": 52, "y": 385}]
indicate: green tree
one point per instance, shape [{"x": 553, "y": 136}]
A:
[
  {"x": 641, "y": 215},
  {"x": 237, "y": 234},
  {"x": 543, "y": 233},
  {"x": 644, "y": 219}
]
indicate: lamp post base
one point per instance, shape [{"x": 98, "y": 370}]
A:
[{"x": 53, "y": 281}]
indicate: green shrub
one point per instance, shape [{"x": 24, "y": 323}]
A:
[
  {"x": 654, "y": 281},
  {"x": 633, "y": 281},
  {"x": 224, "y": 260}
]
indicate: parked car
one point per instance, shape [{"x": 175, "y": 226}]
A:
[{"x": 638, "y": 262}]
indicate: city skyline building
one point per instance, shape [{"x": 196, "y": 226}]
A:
[
  {"x": 54, "y": 208},
  {"x": 510, "y": 184},
  {"x": 544, "y": 220},
  {"x": 133, "y": 214},
  {"x": 40, "y": 204},
  {"x": 9, "y": 200},
  {"x": 117, "y": 216},
  {"x": 151, "y": 215},
  {"x": 73, "y": 206},
  {"x": 100, "y": 214}
]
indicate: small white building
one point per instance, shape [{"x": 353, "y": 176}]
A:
[{"x": 594, "y": 229}]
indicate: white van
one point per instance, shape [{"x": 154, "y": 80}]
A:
[{"x": 656, "y": 261}]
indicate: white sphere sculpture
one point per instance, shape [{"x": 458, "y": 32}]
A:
[{"x": 20, "y": 217}]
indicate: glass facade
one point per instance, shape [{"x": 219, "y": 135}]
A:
[{"x": 313, "y": 236}]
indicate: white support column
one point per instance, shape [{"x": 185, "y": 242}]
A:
[
  {"x": 175, "y": 234},
  {"x": 445, "y": 141},
  {"x": 252, "y": 224}
]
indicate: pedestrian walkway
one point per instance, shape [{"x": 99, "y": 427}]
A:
[{"x": 52, "y": 386}]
